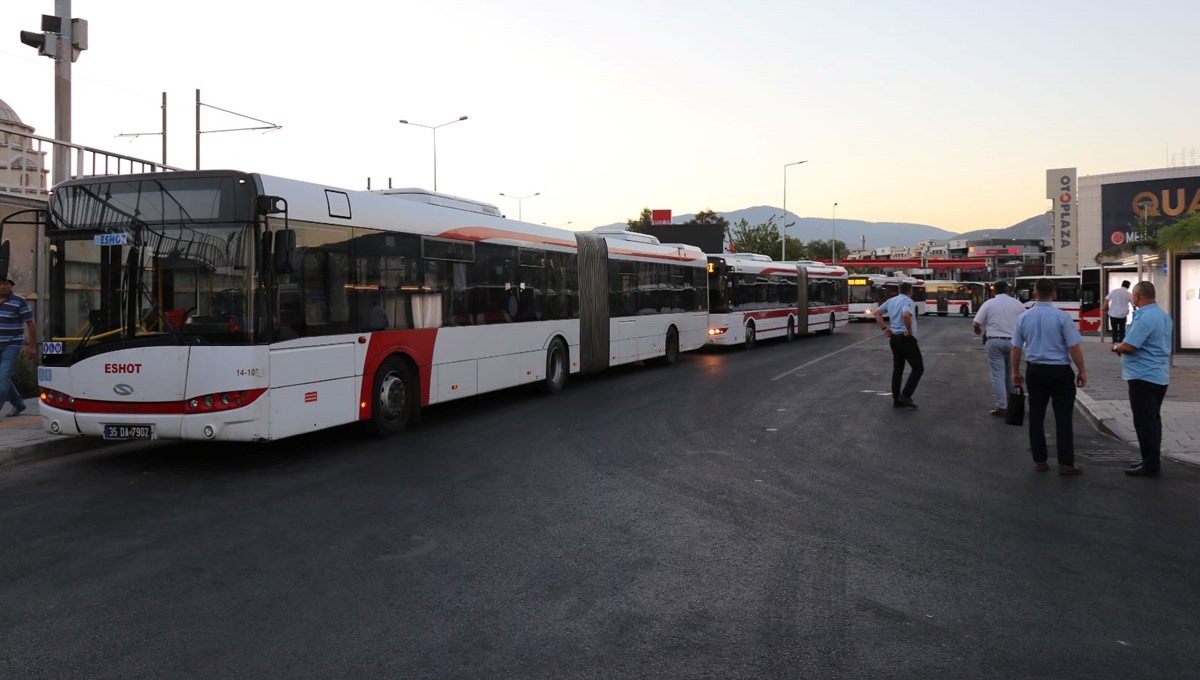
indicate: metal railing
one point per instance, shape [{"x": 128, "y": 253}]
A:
[{"x": 30, "y": 161}]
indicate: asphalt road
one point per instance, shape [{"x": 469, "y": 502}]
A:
[{"x": 760, "y": 514}]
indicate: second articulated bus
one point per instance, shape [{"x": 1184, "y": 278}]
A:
[{"x": 752, "y": 297}]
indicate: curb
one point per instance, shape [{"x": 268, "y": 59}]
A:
[
  {"x": 17, "y": 456},
  {"x": 1086, "y": 405}
]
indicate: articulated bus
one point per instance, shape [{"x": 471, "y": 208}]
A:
[
  {"x": 869, "y": 291},
  {"x": 752, "y": 297},
  {"x": 955, "y": 297},
  {"x": 220, "y": 305},
  {"x": 1077, "y": 294}
]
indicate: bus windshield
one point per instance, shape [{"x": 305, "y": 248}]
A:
[{"x": 149, "y": 261}]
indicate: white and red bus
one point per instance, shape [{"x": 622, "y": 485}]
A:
[
  {"x": 1076, "y": 294},
  {"x": 220, "y": 305},
  {"x": 868, "y": 291},
  {"x": 960, "y": 298},
  {"x": 752, "y": 298}
]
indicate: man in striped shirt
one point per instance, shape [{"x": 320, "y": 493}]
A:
[{"x": 14, "y": 312}]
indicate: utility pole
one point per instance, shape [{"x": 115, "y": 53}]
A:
[{"x": 62, "y": 39}]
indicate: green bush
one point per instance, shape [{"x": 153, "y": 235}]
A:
[{"x": 25, "y": 377}]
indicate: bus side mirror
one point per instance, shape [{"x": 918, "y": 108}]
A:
[{"x": 285, "y": 244}]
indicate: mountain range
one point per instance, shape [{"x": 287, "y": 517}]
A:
[{"x": 860, "y": 234}]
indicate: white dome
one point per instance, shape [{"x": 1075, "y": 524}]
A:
[{"x": 7, "y": 115}]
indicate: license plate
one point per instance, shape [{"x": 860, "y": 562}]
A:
[{"x": 128, "y": 432}]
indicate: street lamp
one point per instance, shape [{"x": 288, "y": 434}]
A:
[
  {"x": 520, "y": 199},
  {"x": 833, "y": 237},
  {"x": 783, "y": 254},
  {"x": 435, "y": 129}
]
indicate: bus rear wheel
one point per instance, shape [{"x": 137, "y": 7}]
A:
[
  {"x": 791, "y": 333},
  {"x": 556, "y": 367},
  {"x": 965, "y": 311},
  {"x": 671, "y": 349},
  {"x": 394, "y": 397},
  {"x": 832, "y": 324},
  {"x": 750, "y": 339}
]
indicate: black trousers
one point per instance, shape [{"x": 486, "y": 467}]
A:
[
  {"x": 1051, "y": 383},
  {"x": 1145, "y": 400},
  {"x": 905, "y": 350},
  {"x": 1118, "y": 328}
]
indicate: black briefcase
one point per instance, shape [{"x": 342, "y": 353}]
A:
[{"x": 1016, "y": 407}]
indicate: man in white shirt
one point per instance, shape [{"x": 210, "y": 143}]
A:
[
  {"x": 1117, "y": 304},
  {"x": 996, "y": 320}
]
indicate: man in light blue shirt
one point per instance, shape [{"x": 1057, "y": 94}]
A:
[
  {"x": 1049, "y": 339},
  {"x": 1146, "y": 368},
  {"x": 901, "y": 329}
]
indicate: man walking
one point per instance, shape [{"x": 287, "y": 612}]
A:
[
  {"x": 996, "y": 320},
  {"x": 14, "y": 312},
  {"x": 1116, "y": 304},
  {"x": 1049, "y": 339},
  {"x": 901, "y": 329},
  {"x": 1145, "y": 366}
]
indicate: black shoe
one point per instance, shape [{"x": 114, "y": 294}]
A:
[
  {"x": 906, "y": 401},
  {"x": 1142, "y": 471},
  {"x": 896, "y": 403},
  {"x": 17, "y": 410}
]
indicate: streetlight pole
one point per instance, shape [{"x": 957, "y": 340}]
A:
[
  {"x": 521, "y": 199},
  {"x": 783, "y": 254},
  {"x": 435, "y": 129},
  {"x": 833, "y": 237}
]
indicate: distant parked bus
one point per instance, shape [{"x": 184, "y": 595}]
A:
[
  {"x": 1076, "y": 294},
  {"x": 752, "y": 298},
  {"x": 961, "y": 298},
  {"x": 868, "y": 291}
]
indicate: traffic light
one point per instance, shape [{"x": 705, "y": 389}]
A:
[{"x": 46, "y": 43}]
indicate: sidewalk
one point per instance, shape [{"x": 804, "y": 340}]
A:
[
  {"x": 1105, "y": 401},
  {"x": 22, "y": 439}
]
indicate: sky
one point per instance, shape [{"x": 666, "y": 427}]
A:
[{"x": 946, "y": 113}]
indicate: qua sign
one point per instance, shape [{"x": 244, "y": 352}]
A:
[{"x": 1160, "y": 201}]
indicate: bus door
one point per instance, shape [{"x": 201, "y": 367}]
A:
[
  {"x": 802, "y": 300},
  {"x": 1090, "y": 295},
  {"x": 943, "y": 299}
]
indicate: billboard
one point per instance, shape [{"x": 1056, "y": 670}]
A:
[
  {"x": 1064, "y": 227},
  {"x": 660, "y": 217},
  {"x": 1164, "y": 201},
  {"x": 1189, "y": 304}
]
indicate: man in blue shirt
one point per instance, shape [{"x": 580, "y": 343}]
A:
[
  {"x": 1049, "y": 339},
  {"x": 1146, "y": 368},
  {"x": 15, "y": 317},
  {"x": 901, "y": 328}
]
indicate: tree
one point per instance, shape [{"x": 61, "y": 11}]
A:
[
  {"x": 643, "y": 221},
  {"x": 709, "y": 217},
  {"x": 1182, "y": 235},
  {"x": 821, "y": 250},
  {"x": 763, "y": 239}
]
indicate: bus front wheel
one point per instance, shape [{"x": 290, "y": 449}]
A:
[
  {"x": 791, "y": 333},
  {"x": 750, "y": 339},
  {"x": 965, "y": 310},
  {"x": 394, "y": 396},
  {"x": 556, "y": 367}
]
